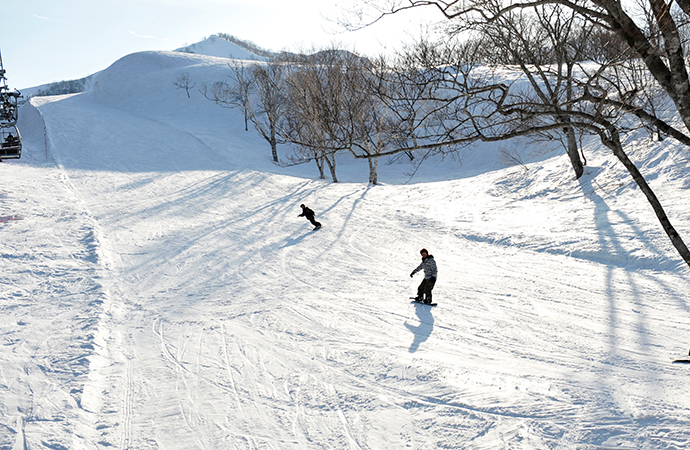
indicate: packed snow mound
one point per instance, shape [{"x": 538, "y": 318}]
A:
[
  {"x": 149, "y": 78},
  {"x": 222, "y": 48},
  {"x": 148, "y": 64},
  {"x": 145, "y": 82},
  {"x": 147, "y": 85}
]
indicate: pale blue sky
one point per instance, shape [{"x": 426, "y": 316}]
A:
[{"x": 43, "y": 41}]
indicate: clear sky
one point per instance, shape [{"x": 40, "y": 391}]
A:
[{"x": 43, "y": 41}]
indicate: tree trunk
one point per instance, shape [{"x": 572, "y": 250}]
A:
[
  {"x": 274, "y": 144},
  {"x": 330, "y": 160},
  {"x": 319, "y": 163},
  {"x": 615, "y": 145},
  {"x": 571, "y": 140},
  {"x": 574, "y": 152},
  {"x": 668, "y": 68},
  {"x": 373, "y": 170}
]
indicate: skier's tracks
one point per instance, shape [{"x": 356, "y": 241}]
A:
[
  {"x": 228, "y": 367},
  {"x": 128, "y": 412}
]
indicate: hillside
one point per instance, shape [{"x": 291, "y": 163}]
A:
[
  {"x": 160, "y": 292},
  {"x": 226, "y": 47}
]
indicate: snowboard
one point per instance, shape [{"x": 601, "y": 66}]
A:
[
  {"x": 422, "y": 303},
  {"x": 683, "y": 360}
]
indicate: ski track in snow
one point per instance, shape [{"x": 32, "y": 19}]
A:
[{"x": 160, "y": 295}]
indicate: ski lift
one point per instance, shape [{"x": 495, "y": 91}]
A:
[
  {"x": 10, "y": 139},
  {"x": 8, "y": 102},
  {"x": 10, "y": 143}
]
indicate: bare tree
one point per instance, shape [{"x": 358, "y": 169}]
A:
[
  {"x": 304, "y": 123},
  {"x": 185, "y": 82},
  {"x": 494, "y": 110},
  {"x": 324, "y": 104},
  {"x": 268, "y": 104},
  {"x": 546, "y": 46},
  {"x": 659, "y": 41},
  {"x": 375, "y": 125},
  {"x": 233, "y": 94},
  {"x": 258, "y": 90}
]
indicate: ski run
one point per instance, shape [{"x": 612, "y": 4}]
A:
[{"x": 159, "y": 290}]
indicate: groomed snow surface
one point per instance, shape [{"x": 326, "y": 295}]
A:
[{"x": 159, "y": 291}]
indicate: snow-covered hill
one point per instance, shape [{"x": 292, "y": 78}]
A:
[
  {"x": 160, "y": 292},
  {"x": 215, "y": 45}
]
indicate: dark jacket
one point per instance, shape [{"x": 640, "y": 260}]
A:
[
  {"x": 307, "y": 212},
  {"x": 429, "y": 266}
]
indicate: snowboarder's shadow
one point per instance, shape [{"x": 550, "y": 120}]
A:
[
  {"x": 294, "y": 241},
  {"x": 423, "y": 330},
  {"x": 289, "y": 242}
]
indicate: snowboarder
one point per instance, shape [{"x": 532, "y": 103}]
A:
[
  {"x": 309, "y": 214},
  {"x": 429, "y": 266}
]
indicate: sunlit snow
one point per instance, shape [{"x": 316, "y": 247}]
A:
[{"x": 160, "y": 292}]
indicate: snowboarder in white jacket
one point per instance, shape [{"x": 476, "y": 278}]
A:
[{"x": 429, "y": 266}]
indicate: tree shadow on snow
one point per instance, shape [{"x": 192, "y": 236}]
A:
[
  {"x": 423, "y": 330},
  {"x": 614, "y": 256}
]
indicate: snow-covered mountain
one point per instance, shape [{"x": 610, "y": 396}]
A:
[
  {"x": 216, "y": 45},
  {"x": 159, "y": 290}
]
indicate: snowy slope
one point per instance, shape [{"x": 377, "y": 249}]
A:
[{"x": 160, "y": 291}]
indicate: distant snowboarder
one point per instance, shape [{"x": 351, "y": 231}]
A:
[
  {"x": 309, "y": 214},
  {"x": 429, "y": 266}
]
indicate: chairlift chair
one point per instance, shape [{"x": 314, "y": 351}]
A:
[
  {"x": 8, "y": 106},
  {"x": 10, "y": 143}
]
